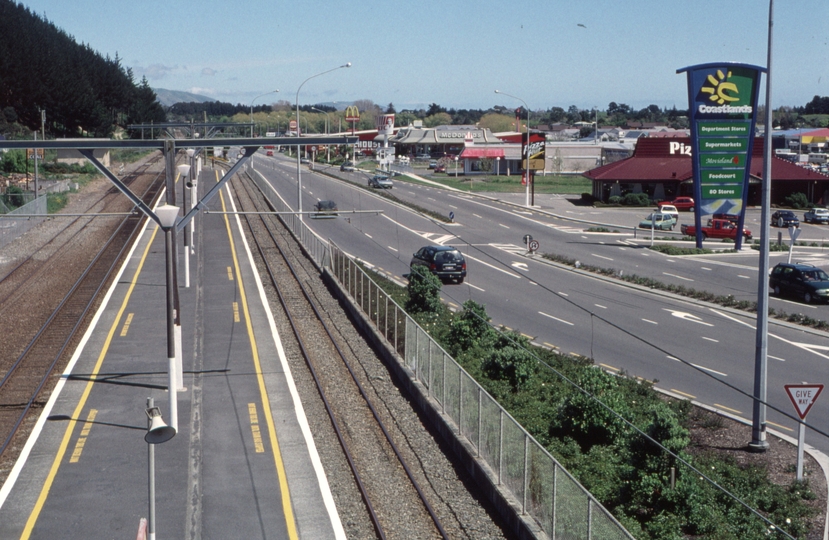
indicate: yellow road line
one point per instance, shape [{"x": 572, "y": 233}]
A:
[
  {"x": 611, "y": 368},
  {"x": 50, "y": 478},
  {"x": 266, "y": 406},
  {"x": 236, "y": 312},
  {"x": 683, "y": 393},
  {"x": 254, "y": 428},
  {"x": 76, "y": 453},
  {"x": 729, "y": 409},
  {"x": 778, "y": 425},
  {"x": 126, "y": 327}
]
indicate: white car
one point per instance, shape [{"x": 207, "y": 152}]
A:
[
  {"x": 816, "y": 215},
  {"x": 670, "y": 210}
]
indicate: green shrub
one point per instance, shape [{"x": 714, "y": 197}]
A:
[
  {"x": 797, "y": 200},
  {"x": 636, "y": 199},
  {"x": 615, "y": 199},
  {"x": 424, "y": 292}
]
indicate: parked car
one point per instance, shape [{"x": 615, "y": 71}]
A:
[
  {"x": 800, "y": 281},
  {"x": 784, "y": 218},
  {"x": 816, "y": 215},
  {"x": 304, "y": 161},
  {"x": 716, "y": 228},
  {"x": 347, "y": 166},
  {"x": 681, "y": 203},
  {"x": 446, "y": 262},
  {"x": 324, "y": 210},
  {"x": 269, "y": 153},
  {"x": 433, "y": 163},
  {"x": 440, "y": 168},
  {"x": 380, "y": 181},
  {"x": 669, "y": 209},
  {"x": 658, "y": 221}
]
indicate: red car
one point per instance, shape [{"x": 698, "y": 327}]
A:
[
  {"x": 681, "y": 203},
  {"x": 440, "y": 168}
]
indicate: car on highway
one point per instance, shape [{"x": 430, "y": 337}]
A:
[
  {"x": 347, "y": 166},
  {"x": 305, "y": 161},
  {"x": 681, "y": 203},
  {"x": 658, "y": 221},
  {"x": 269, "y": 153},
  {"x": 380, "y": 181},
  {"x": 803, "y": 281},
  {"x": 324, "y": 210},
  {"x": 446, "y": 262},
  {"x": 784, "y": 218},
  {"x": 816, "y": 215}
]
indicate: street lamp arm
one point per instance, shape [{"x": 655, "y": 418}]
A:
[
  {"x": 257, "y": 97},
  {"x": 346, "y": 65}
]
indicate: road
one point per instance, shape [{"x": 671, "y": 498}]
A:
[{"x": 692, "y": 349}]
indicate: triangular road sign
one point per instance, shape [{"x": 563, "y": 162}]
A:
[{"x": 803, "y": 396}]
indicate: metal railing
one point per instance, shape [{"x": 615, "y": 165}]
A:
[
  {"x": 560, "y": 505},
  {"x": 11, "y": 227}
]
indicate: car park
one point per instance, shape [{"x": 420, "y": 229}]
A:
[
  {"x": 784, "y": 218},
  {"x": 446, "y": 262},
  {"x": 816, "y": 215},
  {"x": 803, "y": 281},
  {"x": 380, "y": 181},
  {"x": 658, "y": 221},
  {"x": 324, "y": 210},
  {"x": 681, "y": 203},
  {"x": 347, "y": 166}
]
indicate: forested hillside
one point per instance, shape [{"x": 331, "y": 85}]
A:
[{"x": 81, "y": 92}]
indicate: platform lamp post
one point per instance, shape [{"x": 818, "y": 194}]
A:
[
  {"x": 157, "y": 432},
  {"x": 298, "y": 163},
  {"x": 251, "y": 107},
  {"x": 167, "y": 216},
  {"x": 528, "y": 141},
  {"x": 327, "y": 147}
]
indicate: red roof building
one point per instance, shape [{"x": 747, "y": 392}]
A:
[{"x": 661, "y": 167}]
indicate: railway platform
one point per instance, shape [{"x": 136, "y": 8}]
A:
[{"x": 242, "y": 464}]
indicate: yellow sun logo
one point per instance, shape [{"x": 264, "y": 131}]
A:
[{"x": 721, "y": 88}]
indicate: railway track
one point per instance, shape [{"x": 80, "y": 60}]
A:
[
  {"x": 48, "y": 298},
  {"x": 380, "y": 474}
]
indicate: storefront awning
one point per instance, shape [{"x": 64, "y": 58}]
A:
[{"x": 478, "y": 153}]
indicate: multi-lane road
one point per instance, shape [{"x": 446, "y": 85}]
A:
[{"x": 692, "y": 349}]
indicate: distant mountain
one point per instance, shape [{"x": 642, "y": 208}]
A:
[{"x": 168, "y": 98}]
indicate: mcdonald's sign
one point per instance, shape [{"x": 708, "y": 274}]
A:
[{"x": 352, "y": 114}]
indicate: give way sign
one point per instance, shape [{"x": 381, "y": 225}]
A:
[{"x": 803, "y": 396}]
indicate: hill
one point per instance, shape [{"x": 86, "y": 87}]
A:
[{"x": 168, "y": 98}]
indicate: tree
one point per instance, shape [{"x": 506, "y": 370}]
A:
[
  {"x": 438, "y": 119},
  {"x": 496, "y": 122},
  {"x": 390, "y": 109},
  {"x": 424, "y": 292},
  {"x": 434, "y": 109}
]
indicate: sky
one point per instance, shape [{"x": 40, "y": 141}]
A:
[{"x": 455, "y": 53}]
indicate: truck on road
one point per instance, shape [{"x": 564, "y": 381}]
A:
[{"x": 716, "y": 228}]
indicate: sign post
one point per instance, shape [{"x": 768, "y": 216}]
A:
[{"x": 803, "y": 396}]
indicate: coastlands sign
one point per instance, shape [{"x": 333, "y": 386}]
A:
[{"x": 722, "y": 101}]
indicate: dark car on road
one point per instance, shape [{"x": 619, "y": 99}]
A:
[
  {"x": 446, "y": 262},
  {"x": 347, "y": 166},
  {"x": 324, "y": 209},
  {"x": 803, "y": 281},
  {"x": 784, "y": 218}
]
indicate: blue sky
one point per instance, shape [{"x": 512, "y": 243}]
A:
[{"x": 454, "y": 53}]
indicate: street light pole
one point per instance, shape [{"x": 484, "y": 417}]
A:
[
  {"x": 527, "y": 169},
  {"x": 251, "y": 107},
  {"x": 168, "y": 215},
  {"x": 298, "y": 163},
  {"x": 327, "y": 147}
]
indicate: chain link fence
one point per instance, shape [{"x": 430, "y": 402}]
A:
[{"x": 12, "y": 227}]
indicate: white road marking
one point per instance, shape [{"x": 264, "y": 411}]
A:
[
  {"x": 493, "y": 267},
  {"x": 711, "y": 339},
  {"x": 687, "y": 317},
  {"x": 677, "y": 277},
  {"x": 600, "y": 306},
  {"x": 391, "y": 248},
  {"x": 520, "y": 265},
  {"x": 504, "y": 226},
  {"x": 652, "y": 322},
  {"x": 601, "y": 257},
  {"x": 775, "y": 358},
  {"x": 710, "y": 370},
  {"x": 555, "y": 318}
]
